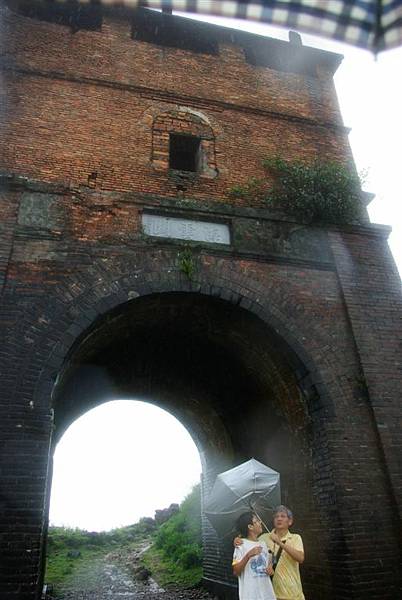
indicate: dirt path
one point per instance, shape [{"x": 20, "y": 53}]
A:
[{"x": 103, "y": 579}]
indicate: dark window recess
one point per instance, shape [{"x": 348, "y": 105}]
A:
[
  {"x": 70, "y": 13},
  {"x": 288, "y": 58},
  {"x": 184, "y": 152},
  {"x": 169, "y": 30}
]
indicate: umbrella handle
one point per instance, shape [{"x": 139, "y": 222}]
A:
[{"x": 256, "y": 513}]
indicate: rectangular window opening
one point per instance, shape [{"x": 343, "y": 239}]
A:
[{"x": 184, "y": 152}]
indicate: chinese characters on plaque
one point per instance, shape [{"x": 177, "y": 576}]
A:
[{"x": 185, "y": 229}]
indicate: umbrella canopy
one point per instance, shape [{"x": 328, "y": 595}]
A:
[
  {"x": 250, "y": 486},
  {"x": 372, "y": 24}
]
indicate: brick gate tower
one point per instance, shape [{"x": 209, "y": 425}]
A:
[{"x": 128, "y": 269}]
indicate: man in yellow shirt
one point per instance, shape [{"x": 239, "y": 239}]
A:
[{"x": 288, "y": 554}]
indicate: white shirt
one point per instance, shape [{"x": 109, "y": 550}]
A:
[{"x": 254, "y": 582}]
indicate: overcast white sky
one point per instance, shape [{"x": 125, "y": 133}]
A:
[
  {"x": 125, "y": 459},
  {"x": 119, "y": 462}
]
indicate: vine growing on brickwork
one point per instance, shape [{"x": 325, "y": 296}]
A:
[
  {"x": 321, "y": 191},
  {"x": 187, "y": 262}
]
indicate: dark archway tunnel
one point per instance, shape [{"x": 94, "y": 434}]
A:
[{"x": 217, "y": 367}]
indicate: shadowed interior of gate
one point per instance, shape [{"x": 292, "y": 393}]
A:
[{"x": 215, "y": 366}]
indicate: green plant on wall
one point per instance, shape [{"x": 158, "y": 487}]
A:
[
  {"x": 187, "y": 262},
  {"x": 254, "y": 189},
  {"x": 317, "y": 192}
]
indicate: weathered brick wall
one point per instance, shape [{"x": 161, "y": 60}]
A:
[
  {"x": 112, "y": 55},
  {"x": 85, "y": 103},
  {"x": 64, "y": 132},
  {"x": 84, "y": 118}
]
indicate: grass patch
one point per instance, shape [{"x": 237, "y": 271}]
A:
[
  {"x": 70, "y": 551},
  {"x": 62, "y": 569},
  {"x": 168, "y": 572}
]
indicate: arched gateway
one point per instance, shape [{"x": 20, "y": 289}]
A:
[
  {"x": 228, "y": 373},
  {"x": 127, "y": 268}
]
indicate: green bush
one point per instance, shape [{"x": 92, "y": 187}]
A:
[
  {"x": 176, "y": 556},
  {"x": 191, "y": 556},
  {"x": 321, "y": 191},
  {"x": 180, "y": 537}
]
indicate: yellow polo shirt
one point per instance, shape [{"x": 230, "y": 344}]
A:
[{"x": 286, "y": 581}]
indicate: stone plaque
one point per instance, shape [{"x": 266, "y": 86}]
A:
[
  {"x": 39, "y": 210},
  {"x": 186, "y": 229},
  {"x": 285, "y": 239}
]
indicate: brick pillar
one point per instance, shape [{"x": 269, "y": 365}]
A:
[
  {"x": 371, "y": 289},
  {"x": 23, "y": 508},
  {"x": 25, "y": 434},
  {"x": 372, "y": 292}
]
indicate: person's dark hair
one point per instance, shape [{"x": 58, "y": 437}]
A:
[{"x": 244, "y": 521}]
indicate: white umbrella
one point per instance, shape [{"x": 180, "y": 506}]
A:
[{"x": 249, "y": 486}]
